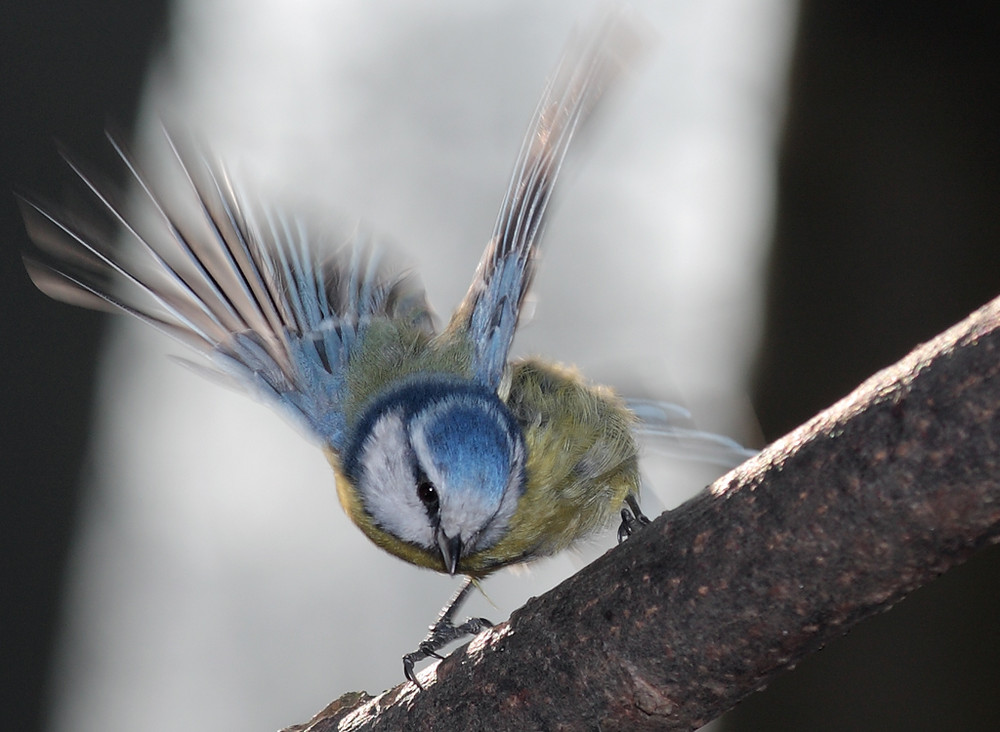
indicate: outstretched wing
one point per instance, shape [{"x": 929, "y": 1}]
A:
[
  {"x": 252, "y": 290},
  {"x": 489, "y": 313},
  {"x": 668, "y": 429}
]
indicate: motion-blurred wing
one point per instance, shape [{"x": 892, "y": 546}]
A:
[
  {"x": 271, "y": 308},
  {"x": 668, "y": 430},
  {"x": 489, "y": 313}
]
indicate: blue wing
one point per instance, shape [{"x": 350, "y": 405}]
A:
[
  {"x": 489, "y": 313},
  {"x": 668, "y": 429},
  {"x": 274, "y": 311}
]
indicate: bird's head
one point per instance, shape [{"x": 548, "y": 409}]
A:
[{"x": 438, "y": 463}]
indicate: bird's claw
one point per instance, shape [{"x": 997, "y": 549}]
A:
[
  {"x": 632, "y": 519},
  {"x": 441, "y": 634}
]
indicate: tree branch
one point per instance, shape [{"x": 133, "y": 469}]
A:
[{"x": 835, "y": 522}]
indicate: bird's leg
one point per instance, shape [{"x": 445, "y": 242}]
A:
[
  {"x": 632, "y": 519},
  {"x": 444, "y": 631}
]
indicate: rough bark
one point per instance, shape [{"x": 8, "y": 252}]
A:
[{"x": 835, "y": 522}]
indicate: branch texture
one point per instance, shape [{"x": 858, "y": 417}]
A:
[{"x": 837, "y": 521}]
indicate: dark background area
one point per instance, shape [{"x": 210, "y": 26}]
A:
[
  {"x": 888, "y": 231},
  {"x": 65, "y": 69}
]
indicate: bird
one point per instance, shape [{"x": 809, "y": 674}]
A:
[{"x": 446, "y": 453}]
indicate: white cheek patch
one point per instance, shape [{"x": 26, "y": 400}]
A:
[{"x": 387, "y": 484}]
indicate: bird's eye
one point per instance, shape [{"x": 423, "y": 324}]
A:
[{"x": 428, "y": 495}]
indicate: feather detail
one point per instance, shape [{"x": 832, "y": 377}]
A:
[
  {"x": 245, "y": 286},
  {"x": 489, "y": 314}
]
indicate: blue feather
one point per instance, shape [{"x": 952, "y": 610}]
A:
[{"x": 243, "y": 285}]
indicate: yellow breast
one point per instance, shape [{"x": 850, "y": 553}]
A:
[{"x": 582, "y": 463}]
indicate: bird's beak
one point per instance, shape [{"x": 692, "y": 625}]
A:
[{"x": 451, "y": 551}]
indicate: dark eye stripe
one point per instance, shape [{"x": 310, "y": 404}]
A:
[{"x": 427, "y": 494}]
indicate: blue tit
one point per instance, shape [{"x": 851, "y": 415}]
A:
[{"x": 446, "y": 454}]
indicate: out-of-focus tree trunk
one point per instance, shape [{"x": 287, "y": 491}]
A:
[{"x": 888, "y": 228}]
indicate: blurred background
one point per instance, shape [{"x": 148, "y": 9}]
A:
[{"x": 785, "y": 198}]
